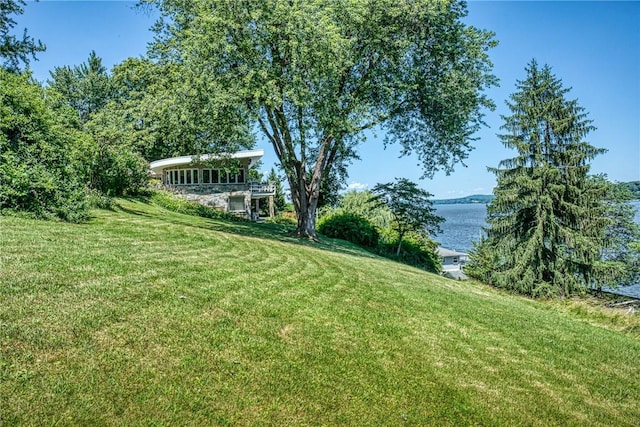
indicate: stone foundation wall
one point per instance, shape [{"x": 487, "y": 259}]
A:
[{"x": 212, "y": 196}]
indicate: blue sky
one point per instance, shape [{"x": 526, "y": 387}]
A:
[{"x": 594, "y": 47}]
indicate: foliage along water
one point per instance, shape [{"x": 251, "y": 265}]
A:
[{"x": 464, "y": 224}]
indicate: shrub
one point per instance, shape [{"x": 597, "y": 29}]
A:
[
  {"x": 99, "y": 200},
  {"x": 417, "y": 250},
  {"x": 350, "y": 227},
  {"x": 37, "y": 173},
  {"x": 284, "y": 218},
  {"x": 119, "y": 171}
]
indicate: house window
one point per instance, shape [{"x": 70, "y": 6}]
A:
[
  {"x": 455, "y": 259},
  {"x": 182, "y": 176},
  {"x": 204, "y": 176},
  {"x": 236, "y": 203}
]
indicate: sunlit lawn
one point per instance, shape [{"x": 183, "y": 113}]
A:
[{"x": 146, "y": 317}]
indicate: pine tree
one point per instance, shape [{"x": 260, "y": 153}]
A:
[{"x": 545, "y": 223}]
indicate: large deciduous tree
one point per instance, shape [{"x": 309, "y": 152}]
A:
[
  {"x": 315, "y": 74},
  {"x": 172, "y": 110},
  {"x": 548, "y": 220},
  {"x": 86, "y": 87},
  {"x": 15, "y": 51}
]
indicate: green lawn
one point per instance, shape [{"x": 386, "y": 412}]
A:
[{"x": 147, "y": 317}]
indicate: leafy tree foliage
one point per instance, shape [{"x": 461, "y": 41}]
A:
[
  {"x": 361, "y": 203},
  {"x": 410, "y": 206},
  {"x": 86, "y": 87},
  {"x": 548, "y": 220},
  {"x": 171, "y": 110},
  {"x": 13, "y": 50},
  {"x": 37, "y": 167},
  {"x": 112, "y": 162},
  {"x": 619, "y": 262},
  {"x": 315, "y": 74},
  {"x": 351, "y": 227},
  {"x": 633, "y": 187},
  {"x": 116, "y": 167}
]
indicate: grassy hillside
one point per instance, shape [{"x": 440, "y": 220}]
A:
[{"x": 146, "y": 317}]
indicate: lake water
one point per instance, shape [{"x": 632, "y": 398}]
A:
[{"x": 464, "y": 224}]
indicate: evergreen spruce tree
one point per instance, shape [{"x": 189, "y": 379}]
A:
[{"x": 546, "y": 221}]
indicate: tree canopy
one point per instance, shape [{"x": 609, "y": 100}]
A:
[
  {"x": 37, "y": 169},
  {"x": 410, "y": 206},
  {"x": 86, "y": 87},
  {"x": 314, "y": 74},
  {"x": 15, "y": 51},
  {"x": 547, "y": 225}
]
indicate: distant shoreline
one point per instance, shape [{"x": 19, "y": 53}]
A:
[
  {"x": 484, "y": 199},
  {"x": 475, "y": 199}
]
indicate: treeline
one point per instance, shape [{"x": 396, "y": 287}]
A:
[
  {"x": 476, "y": 198},
  {"x": 633, "y": 187},
  {"x": 89, "y": 133}
]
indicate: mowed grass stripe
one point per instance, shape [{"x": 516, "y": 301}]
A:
[{"x": 145, "y": 317}]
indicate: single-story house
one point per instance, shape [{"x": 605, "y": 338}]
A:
[
  {"x": 204, "y": 179},
  {"x": 452, "y": 262}
]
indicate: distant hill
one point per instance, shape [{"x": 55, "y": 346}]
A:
[
  {"x": 633, "y": 186},
  {"x": 476, "y": 198}
]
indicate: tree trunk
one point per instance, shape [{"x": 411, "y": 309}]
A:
[
  {"x": 401, "y": 232},
  {"x": 305, "y": 202},
  {"x": 305, "y": 195},
  {"x": 307, "y": 223}
]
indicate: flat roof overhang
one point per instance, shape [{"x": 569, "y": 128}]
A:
[{"x": 157, "y": 166}]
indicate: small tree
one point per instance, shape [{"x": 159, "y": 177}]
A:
[{"x": 410, "y": 206}]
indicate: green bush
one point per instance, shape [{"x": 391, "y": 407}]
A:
[
  {"x": 284, "y": 218},
  {"x": 119, "y": 171},
  {"x": 351, "y": 227},
  {"x": 97, "y": 199},
  {"x": 37, "y": 172},
  {"x": 417, "y": 250}
]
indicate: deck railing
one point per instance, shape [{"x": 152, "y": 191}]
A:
[{"x": 257, "y": 187}]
